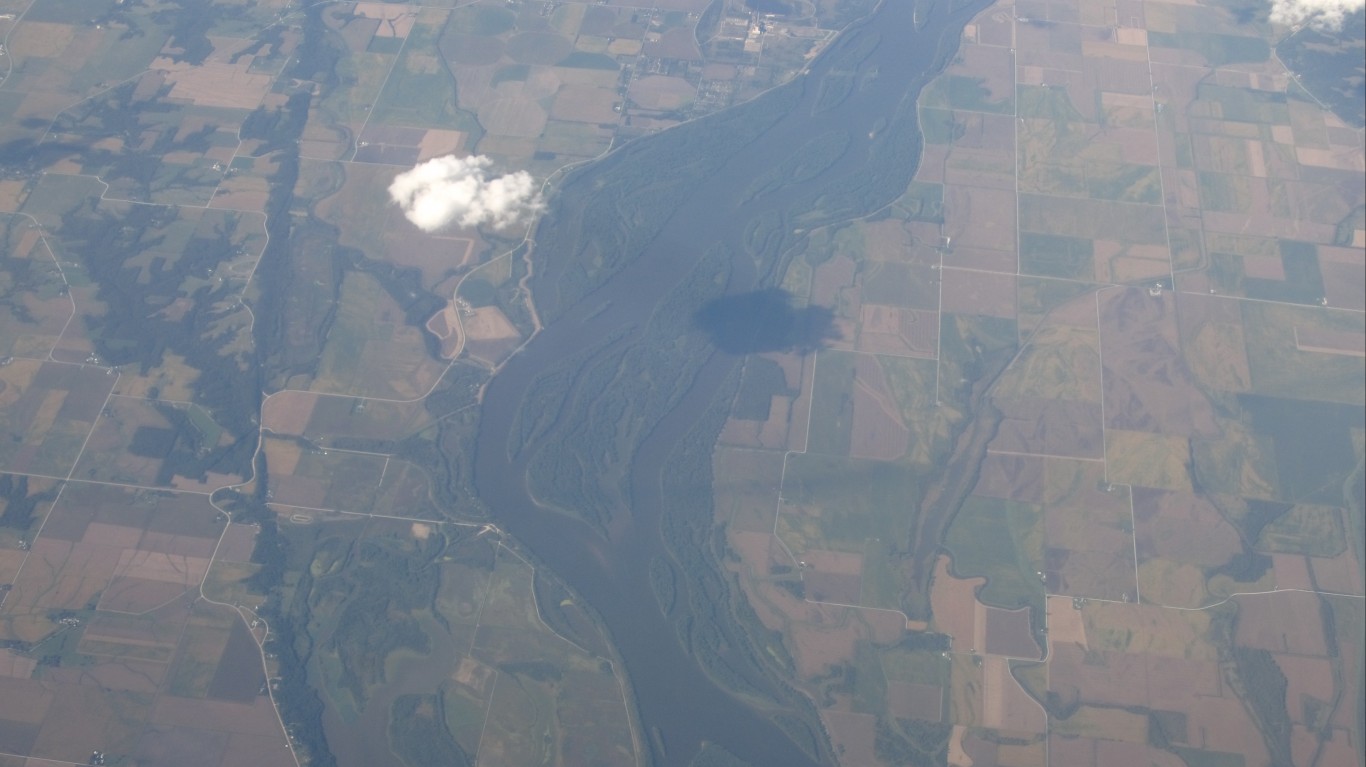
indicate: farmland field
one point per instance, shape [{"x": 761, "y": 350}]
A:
[{"x": 830, "y": 382}]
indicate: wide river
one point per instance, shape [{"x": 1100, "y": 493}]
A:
[{"x": 675, "y": 700}]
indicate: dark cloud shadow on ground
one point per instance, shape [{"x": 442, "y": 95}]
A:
[{"x": 765, "y": 321}]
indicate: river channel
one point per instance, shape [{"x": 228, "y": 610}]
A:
[{"x": 677, "y": 704}]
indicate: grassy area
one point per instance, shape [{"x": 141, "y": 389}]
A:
[
  {"x": 832, "y": 405},
  {"x": 1055, "y": 255},
  {"x": 1001, "y": 541},
  {"x": 1280, "y": 368},
  {"x": 858, "y": 501}
]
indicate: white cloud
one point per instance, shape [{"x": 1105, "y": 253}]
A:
[
  {"x": 458, "y": 190},
  {"x": 1320, "y": 14}
]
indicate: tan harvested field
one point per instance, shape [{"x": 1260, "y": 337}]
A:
[
  {"x": 1286, "y": 622},
  {"x": 288, "y": 412},
  {"x": 1305, "y": 676},
  {"x": 59, "y": 575},
  {"x": 586, "y": 104},
  {"x": 488, "y": 324},
  {"x": 768, "y": 434},
  {"x": 1342, "y": 573},
  {"x": 973, "y": 292},
  {"x": 982, "y": 171},
  {"x": 1060, "y": 362},
  {"x": 691, "y": 6},
  {"x": 237, "y": 544},
  {"x": 982, "y": 259},
  {"x": 1213, "y": 342},
  {"x": 965, "y": 692},
  {"x": 178, "y": 570},
  {"x": 241, "y": 192},
  {"x": 819, "y": 647},
  {"x": 324, "y": 479},
  {"x": 394, "y": 21},
  {"x": 955, "y": 607},
  {"x": 756, "y": 550},
  {"x": 786, "y": 425},
  {"x": 913, "y": 700},
  {"x": 1148, "y": 629},
  {"x": 322, "y": 419},
  {"x": 1101, "y": 677},
  {"x": 1049, "y": 427},
  {"x": 677, "y": 43},
  {"x": 878, "y": 431},
  {"x": 492, "y": 353},
  {"x": 255, "y": 718},
  {"x": 833, "y": 588},
  {"x": 661, "y": 93},
  {"x": 852, "y": 734},
  {"x": 116, "y": 674},
  {"x": 743, "y": 489},
  {"x": 445, "y": 325},
  {"x": 982, "y": 219},
  {"x": 83, "y": 719},
  {"x": 1005, "y": 705},
  {"x": 217, "y": 82},
  {"x": 112, "y": 452},
  {"x": 1119, "y": 262},
  {"x": 127, "y": 594},
  {"x": 1012, "y": 476},
  {"x": 1144, "y": 459},
  {"x": 1065, "y": 623},
  {"x": 282, "y": 456},
  {"x": 896, "y": 331},
  {"x": 1089, "y": 549},
  {"x": 47, "y": 410},
  {"x": 354, "y": 198},
  {"x": 1103, "y": 752},
  {"x": 437, "y": 142},
  {"x": 371, "y": 351},
  {"x": 831, "y": 278},
  {"x": 513, "y": 116},
  {"x": 436, "y": 256},
  {"x": 1326, "y": 341},
  {"x": 1008, "y": 633},
  {"x": 887, "y": 240},
  {"x": 1183, "y": 527},
  {"x": 1147, "y": 385}
]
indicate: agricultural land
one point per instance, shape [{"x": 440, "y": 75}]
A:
[
  {"x": 1067, "y": 466},
  {"x": 1129, "y": 227}
]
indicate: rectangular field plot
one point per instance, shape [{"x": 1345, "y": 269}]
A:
[
  {"x": 130, "y": 659},
  {"x": 765, "y": 413},
  {"x": 1002, "y": 541},
  {"x": 154, "y": 443},
  {"x": 865, "y": 509},
  {"x": 184, "y": 143},
  {"x": 877, "y": 407},
  {"x": 1092, "y": 219},
  {"x": 372, "y": 351},
  {"x": 549, "y": 691},
  {"x": 111, "y": 549},
  {"x": 1148, "y": 387},
  {"x": 1304, "y": 352},
  {"x": 36, "y": 305},
  {"x": 47, "y": 411},
  {"x": 1088, "y": 535},
  {"x": 462, "y": 660},
  {"x": 314, "y": 478}
]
